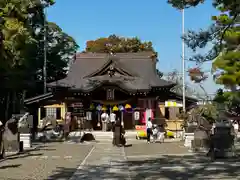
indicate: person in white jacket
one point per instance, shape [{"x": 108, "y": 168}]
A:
[
  {"x": 112, "y": 119},
  {"x": 149, "y": 129},
  {"x": 104, "y": 119}
]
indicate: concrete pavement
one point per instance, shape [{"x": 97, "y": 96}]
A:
[
  {"x": 103, "y": 162},
  {"x": 97, "y": 161},
  {"x": 44, "y": 162},
  {"x": 169, "y": 161}
]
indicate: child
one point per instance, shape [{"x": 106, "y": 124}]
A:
[{"x": 155, "y": 133}]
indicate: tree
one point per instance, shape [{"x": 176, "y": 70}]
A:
[
  {"x": 21, "y": 57},
  {"x": 117, "y": 44},
  {"x": 61, "y": 49},
  {"x": 226, "y": 67},
  {"x": 223, "y": 35},
  {"x": 176, "y": 77},
  {"x": 197, "y": 76},
  {"x": 229, "y": 101},
  {"x": 214, "y": 35}
]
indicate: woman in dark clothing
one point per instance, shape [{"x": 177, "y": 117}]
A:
[
  {"x": 113, "y": 130},
  {"x": 118, "y": 132}
]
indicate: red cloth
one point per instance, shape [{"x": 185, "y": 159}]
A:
[{"x": 144, "y": 119}]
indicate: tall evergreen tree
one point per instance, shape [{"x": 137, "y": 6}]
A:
[{"x": 21, "y": 51}]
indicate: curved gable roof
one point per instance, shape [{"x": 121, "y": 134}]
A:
[
  {"x": 138, "y": 65},
  {"x": 112, "y": 60}
]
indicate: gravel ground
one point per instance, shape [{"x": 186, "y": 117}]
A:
[{"x": 44, "y": 162}]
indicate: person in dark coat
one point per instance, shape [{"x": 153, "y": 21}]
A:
[{"x": 118, "y": 132}]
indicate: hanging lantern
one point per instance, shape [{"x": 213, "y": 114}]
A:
[
  {"x": 121, "y": 108},
  {"x": 136, "y": 115},
  {"x": 92, "y": 107},
  {"x": 104, "y": 108},
  {"x": 99, "y": 107},
  {"x": 128, "y": 106},
  {"x": 115, "y": 108}
]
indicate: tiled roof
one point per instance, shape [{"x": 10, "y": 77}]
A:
[{"x": 139, "y": 65}]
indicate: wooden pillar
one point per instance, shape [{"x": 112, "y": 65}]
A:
[{"x": 161, "y": 107}]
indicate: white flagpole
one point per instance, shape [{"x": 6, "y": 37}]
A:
[
  {"x": 45, "y": 51},
  {"x": 183, "y": 62}
]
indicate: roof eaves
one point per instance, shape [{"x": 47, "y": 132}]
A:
[{"x": 38, "y": 98}]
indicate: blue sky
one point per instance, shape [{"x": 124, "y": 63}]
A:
[{"x": 153, "y": 20}]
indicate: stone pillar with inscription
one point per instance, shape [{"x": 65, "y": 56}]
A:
[{"x": 25, "y": 125}]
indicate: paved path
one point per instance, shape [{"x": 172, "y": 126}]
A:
[
  {"x": 99, "y": 161},
  {"x": 103, "y": 162},
  {"x": 45, "y": 162},
  {"x": 168, "y": 161}
]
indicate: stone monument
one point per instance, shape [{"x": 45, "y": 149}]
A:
[
  {"x": 24, "y": 129},
  {"x": 10, "y": 135}
]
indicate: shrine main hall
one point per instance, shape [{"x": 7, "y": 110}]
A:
[{"x": 126, "y": 83}]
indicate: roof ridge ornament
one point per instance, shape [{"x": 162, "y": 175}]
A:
[
  {"x": 111, "y": 71},
  {"x": 154, "y": 56}
]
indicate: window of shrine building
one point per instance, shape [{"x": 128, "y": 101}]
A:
[{"x": 51, "y": 111}]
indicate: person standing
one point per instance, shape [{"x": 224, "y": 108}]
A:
[
  {"x": 118, "y": 131},
  {"x": 112, "y": 119},
  {"x": 104, "y": 119},
  {"x": 161, "y": 133},
  {"x": 213, "y": 128},
  {"x": 149, "y": 129},
  {"x": 67, "y": 124},
  {"x": 89, "y": 120},
  {"x": 236, "y": 127}
]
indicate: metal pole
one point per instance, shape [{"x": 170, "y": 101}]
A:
[
  {"x": 45, "y": 52},
  {"x": 183, "y": 62}
]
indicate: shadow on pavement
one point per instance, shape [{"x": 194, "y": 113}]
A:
[
  {"x": 10, "y": 166},
  {"x": 168, "y": 167},
  {"x": 30, "y": 152},
  {"x": 25, "y": 155}
]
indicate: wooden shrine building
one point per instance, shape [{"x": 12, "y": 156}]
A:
[{"x": 126, "y": 83}]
